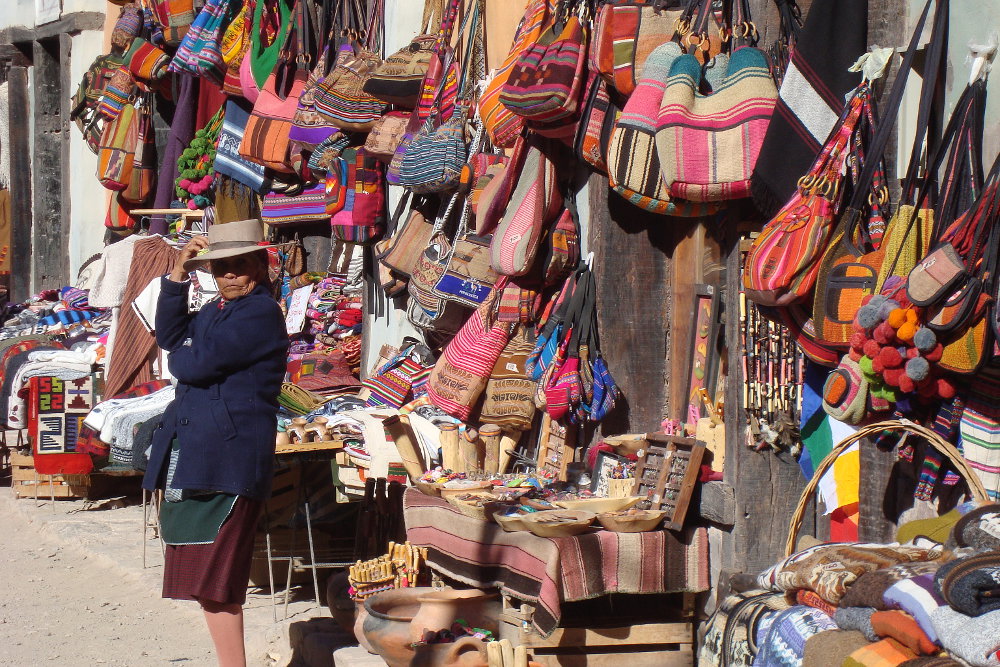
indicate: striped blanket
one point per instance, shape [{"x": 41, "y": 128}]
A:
[
  {"x": 980, "y": 430},
  {"x": 546, "y": 572}
]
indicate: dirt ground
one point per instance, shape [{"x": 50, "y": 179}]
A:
[{"x": 74, "y": 592}]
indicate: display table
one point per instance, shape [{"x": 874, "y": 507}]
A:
[{"x": 549, "y": 571}]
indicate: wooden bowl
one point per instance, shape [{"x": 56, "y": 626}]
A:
[
  {"x": 599, "y": 505},
  {"x": 558, "y": 523},
  {"x": 511, "y": 523},
  {"x": 473, "y": 508},
  {"x": 430, "y": 488},
  {"x": 631, "y": 523},
  {"x": 459, "y": 486}
]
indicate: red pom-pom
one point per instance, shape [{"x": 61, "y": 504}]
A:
[
  {"x": 871, "y": 348},
  {"x": 857, "y": 341},
  {"x": 890, "y": 357},
  {"x": 906, "y": 384},
  {"x": 877, "y": 366},
  {"x": 945, "y": 389},
  {"x": 857, "y": 328},
  {"x": 935, "y": 354},
  {"x": 884, "y": 334},
  {"x": 865, "y": 299},
  {"x": 854, "y": 355},
  {"x": 892, "y": 376},
  {"x": 912, "y": 353}
]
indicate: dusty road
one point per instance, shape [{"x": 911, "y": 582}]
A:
[{"x": 74, "y": 593}]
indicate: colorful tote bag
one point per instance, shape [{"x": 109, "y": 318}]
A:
[
  {"x": 266, "y": 138},
  {"x": 633, "y": 162},
  {"x": 508, "y": 399},
  {"x": 461, "y": 373},
  {"x": 200, "y": 52},
  {"x": 708, "y": 144},
  {"x": 228, "y": 160},
  {"x": 117, "y": 149},
  {"x": 307, "y": 206}
]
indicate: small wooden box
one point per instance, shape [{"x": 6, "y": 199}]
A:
[{"x": 27, "y": 484}]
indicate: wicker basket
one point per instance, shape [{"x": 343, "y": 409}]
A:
[{"x": 939, "y": 443}]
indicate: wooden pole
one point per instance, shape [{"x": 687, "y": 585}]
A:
[
  {"x": 490, "y": 435},
  {"x": 406, "y": 444},
  {"x": 508, "y": 443},
  {"x": 469, "y": 451},
  {"x": 449, "y": 447}
]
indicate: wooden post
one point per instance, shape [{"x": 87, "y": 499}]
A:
[
  {"x": 470, "y": 451},
  {"x": 19, "y": 143},
  {"x": 490, "y": 435},
  {"x": 402, "y": 436},
  {"x": 508, "y": 443},
  {"x": 449, "y": 447}
]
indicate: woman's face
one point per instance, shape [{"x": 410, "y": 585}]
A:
[{"x": 237, "y": 276}]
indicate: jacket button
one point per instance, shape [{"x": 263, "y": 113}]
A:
[{"x": 185, "y": 421}]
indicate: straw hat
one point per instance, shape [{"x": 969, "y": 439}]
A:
[{"x": 228, "y": 240}]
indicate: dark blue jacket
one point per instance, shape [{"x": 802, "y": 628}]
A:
[{"x": 229, "y": 363}]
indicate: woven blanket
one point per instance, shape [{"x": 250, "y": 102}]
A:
[
  {"x": 546, "y": 572},
  {"x": 56, "y": 409}
]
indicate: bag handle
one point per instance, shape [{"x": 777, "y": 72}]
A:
[{"x": 878, "y": 145}]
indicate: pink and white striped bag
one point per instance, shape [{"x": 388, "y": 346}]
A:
[
  {"x": 534, "y": 203},
  {"x": 460, "y": 374}
]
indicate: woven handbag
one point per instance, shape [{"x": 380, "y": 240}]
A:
[
  {"x": 176, "y": 17},
  {"x": 127, "y": 27},
  {"x": 633, "y": 162},
  {"x": 265, "y": 140},
  {"x": 119, "y": 90},
  {"x": 544, "y": 85},
  {"x": 409, "y": 237},
  {"x": 362, "y": 220},
  {"x": 200, "y": 52},
  {"x": 142, "y": 183},
  {"x": 281, "y": 210},
  {"x": 561, "y": 247},
  {"x": 626, "y": 32},
  {"x": 508, "y": 399},
  {"x": 398, "y": 79},
  {"x": 116, "y": 153},
  {"x": 434, "y": 160},
  {"x": 534, "y": 203},
  {"x": 145, "y": 61},
  {"x": 980, "y": 430},
  {"x": 597, "y": 122},
  {"x": 461, "y": 373},
  {"x": 228, "y": 160},
  {"x": 386, "y": 135},
  {"x": 708, "y": 143},
  {"x": 309, "y": 127},
  {"x": 234, "y": 46},
  {"x": 782, "y": 264},
  {"x": 468, "y": 277}
]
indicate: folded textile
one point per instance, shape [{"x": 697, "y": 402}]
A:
[
  {"x": 856, "y": 618},
  {"x": 903, "y": 628},
  {"x": 829, "y": 569},
  {"x": 119, "y": 429},
  {"x": 868, "y": 590},
  {"x": 971, "y": 585},
  {"x": 785, "y": 643},
  {"x": 832, "y": 647},
  {"x": 979, "y": 528},
  {"x": 937, "y": 528},
  {"x": 975, "y": 639},
  {"x": 812, "y": 599},
  {"x": 64, "y": 370},
  {"x": 932, "y": 661},
  {"x": 918, "y": 597},
  {"x": 884, "y": 653},
  {"x": 112, "y": 274}
]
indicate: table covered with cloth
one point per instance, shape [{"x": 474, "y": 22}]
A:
[{"x": 548, "y": 571}]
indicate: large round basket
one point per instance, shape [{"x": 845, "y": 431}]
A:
[{"x": 972, "y": 479}]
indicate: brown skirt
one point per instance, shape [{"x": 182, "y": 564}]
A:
[{"x": 219, "y": 571}]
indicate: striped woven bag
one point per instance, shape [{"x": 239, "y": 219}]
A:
[
  {"x": 633, "y": 162},
  {"x": 544, "y": 85},
  {"x": 265, "y": 140},
  {"x": 502, "y": 125},
  {"x": 117, "y": 149},
  {"x": 307, "y": 206},
  {"x": 980, "y": 430},
  {"x": 708, "y": 144},
  {"x": 461, "y": 373},
  {"x": 782, "y": 264},
  {"x": 434, "y": 160},
  {"x": 200, "y": 52}
]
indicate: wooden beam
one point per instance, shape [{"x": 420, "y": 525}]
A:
[
  {"x": 718, "y": 503},
  {"x": 19, "y": 142},
  {"x": 50, "y": 156},
  {"x": 71, "y": 23}
]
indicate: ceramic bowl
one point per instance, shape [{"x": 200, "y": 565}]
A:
[
  {"x": 631, "y": 523},
  {"x": 559, "y": 523},
  {"x": 511, "y": 523},
  {"x": 459, "y": 486},
  {"x": 599, "y": 505}
]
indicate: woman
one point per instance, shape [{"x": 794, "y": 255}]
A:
[{"x": 214, "y": 452}]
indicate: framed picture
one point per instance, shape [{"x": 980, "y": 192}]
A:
[{"x": 604, "y": 470}]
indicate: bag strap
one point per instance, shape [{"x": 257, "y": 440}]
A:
[
  {"x": 433, "y": 15},
  {"x": 878, "y": 145},
  {"x": 397, "y": 215}
]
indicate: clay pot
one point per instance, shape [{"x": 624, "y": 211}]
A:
[
  {"x": 439, "y": 609},
  {"x": 387, "y": 624},
  {"x": 466, "y": 652},
  {"x": 360, "y": 615}
]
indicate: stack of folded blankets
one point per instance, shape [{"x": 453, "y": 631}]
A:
[
  {"x": 923, "y": 603},
  {"x": 126, "y": 424}
]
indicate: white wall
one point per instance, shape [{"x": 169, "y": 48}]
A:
[{"x": 88, "y": 203}]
